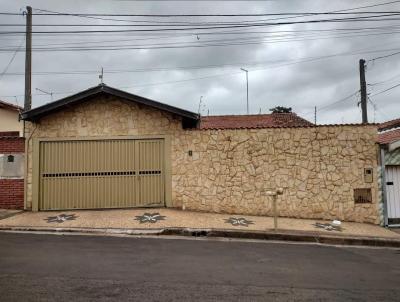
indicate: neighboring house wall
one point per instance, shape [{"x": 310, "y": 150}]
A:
[
  {"x": 318, "y": 167},
  {"x": 12, "y": 150},
  {"x": 9, "y": 121}
]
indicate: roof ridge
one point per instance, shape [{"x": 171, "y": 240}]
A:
[
  {"x": 257, "y": 114},
  {"x": 12, "y": 106}
]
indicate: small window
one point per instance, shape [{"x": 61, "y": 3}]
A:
[
  {"x": 362, "y": 196},
  {"x": 10, "y": 158}
]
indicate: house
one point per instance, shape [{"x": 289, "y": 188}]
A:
[
  {"x": 9, "y": 118},
  {"x": 12, "y": 148},
  {"x": 389, "y": 140},
  {"x": 106, "y": 148}
]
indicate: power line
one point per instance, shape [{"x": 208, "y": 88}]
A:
[
  {"x": 12, "y": 58},
  {"x": 384, "y": 81},
  {"x": 303, "y": 14},
  {"x": 358, "y": 19},
  {"x": 47, "y": 12},
  {"x": 369, "y": 6},
  {"x": 290, "y": 17},
  {"x": 177, "y": 45},
  {"x": 339, "y": 101},
  {"x": 383, "y": 91},
  {"x": 151, "y": 69},
  {"x": 383, "y": 57},
  {"x": 271, "y": 35}
]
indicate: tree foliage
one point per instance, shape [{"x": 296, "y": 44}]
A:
[{"x": 281, "y": 109}]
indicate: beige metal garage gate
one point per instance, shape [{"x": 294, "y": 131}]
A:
[{"x": 92, "y": 174}]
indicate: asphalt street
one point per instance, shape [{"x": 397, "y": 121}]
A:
[{"x": 40, "y": 267}]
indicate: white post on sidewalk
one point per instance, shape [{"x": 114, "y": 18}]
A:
[{"x": 274, "y": 195}]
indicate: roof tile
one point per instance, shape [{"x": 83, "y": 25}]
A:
[
  {"x": 10, "y": 106},
  {"x": 273, "y": 120},
  {"x": 389, "y": 124},
  {"x": 389, "y": 137}
]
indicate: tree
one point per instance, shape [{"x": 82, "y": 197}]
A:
[{"x": 281, "y": 109}]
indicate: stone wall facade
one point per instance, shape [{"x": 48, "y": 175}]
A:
[{"x": 229, "y": 170}]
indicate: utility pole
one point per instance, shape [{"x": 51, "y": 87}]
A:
[
  {"x": 363, "y": 90},
  {"x": 28, "y": 60},
  {"x": 247, "y": 87},
  {"x": 315, "y": 115}
]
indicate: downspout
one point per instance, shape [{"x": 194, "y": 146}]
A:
[{"x": 383, "y": 185}]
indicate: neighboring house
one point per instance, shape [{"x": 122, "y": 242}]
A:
[
  {"x": 12, "y": 149},
  {"x": 106, "y": 148},
  {"x": 9, "y": 118},
  {"x": 389, "y": 140}
]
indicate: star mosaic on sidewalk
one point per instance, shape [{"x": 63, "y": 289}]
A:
[
  {"x": 327, "y": 226},
  {"x": 239, "y": 221},
  {"x": 150, "y": 217},
  {"x": 60, "y": 218}
]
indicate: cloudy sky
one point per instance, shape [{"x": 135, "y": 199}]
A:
[{"x": 297, "y": 65}]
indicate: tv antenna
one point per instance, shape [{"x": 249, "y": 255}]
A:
[{"x": 46, "y": 92}]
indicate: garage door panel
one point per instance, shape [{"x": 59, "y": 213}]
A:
[
  {"x": 150, "y": 171},
  {"x": 151, "y": 189},
  {"x": 88, "y": 156},
  {"x": 87, "y": 192},
  {"x": 101, "y": 174}
]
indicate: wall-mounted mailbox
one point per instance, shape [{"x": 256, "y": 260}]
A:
[
  {"x": 368, "y": 175},
  {"x": 11, "y": 165}
]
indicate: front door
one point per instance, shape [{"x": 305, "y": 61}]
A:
[{"x": 393, "y": 194}]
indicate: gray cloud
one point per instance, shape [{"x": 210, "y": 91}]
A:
[{"x": 301, "y": 86}]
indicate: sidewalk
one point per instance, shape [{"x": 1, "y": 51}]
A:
[
  {"x": 171, "y": 221},
  {"x": 5, "y": 213}
]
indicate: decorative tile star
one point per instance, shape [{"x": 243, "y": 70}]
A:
[
  {"x": 238, "y": 221},
  {"x": 150, "y": 217},
  {"x": 327, "y": 226},
  {"x": 60, "y": 218}
]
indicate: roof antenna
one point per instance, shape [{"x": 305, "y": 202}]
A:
[
  {"x": 46, "y": 92},
  {"x": 16, "y": 100},
  {"x": 198, "y": 38},
  {"x": 201, "y": 98},
  {"x": 101, "y": 76}
]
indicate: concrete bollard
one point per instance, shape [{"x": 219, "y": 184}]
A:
[{"x": 274, "y": 194}]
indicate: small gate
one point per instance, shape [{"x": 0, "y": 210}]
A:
[{"x": 393, "y": 194}]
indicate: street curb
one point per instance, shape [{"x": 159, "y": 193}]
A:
[{"x": 279, "y": 235}]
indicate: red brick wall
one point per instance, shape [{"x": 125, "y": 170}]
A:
[
  {"x": 9, "y": 133},
  {"x": 11, "y": 190},
  {"x": 12, "y": 144},
  {"x": 11, "y": 193}
]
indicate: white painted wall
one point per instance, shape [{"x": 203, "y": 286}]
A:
[{"x": 9, "y": 121}]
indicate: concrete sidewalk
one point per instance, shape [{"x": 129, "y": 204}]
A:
[
  {"x": 136, "y": 219},
  {"x": 5, "y": 213}
]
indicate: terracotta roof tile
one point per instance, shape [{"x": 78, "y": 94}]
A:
[
  {"x": 389, "y": 136},
  {"x": 389, "y": 124},
  {"x": 10, "y": 106},
  {"x": 273, "y": 120}
]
